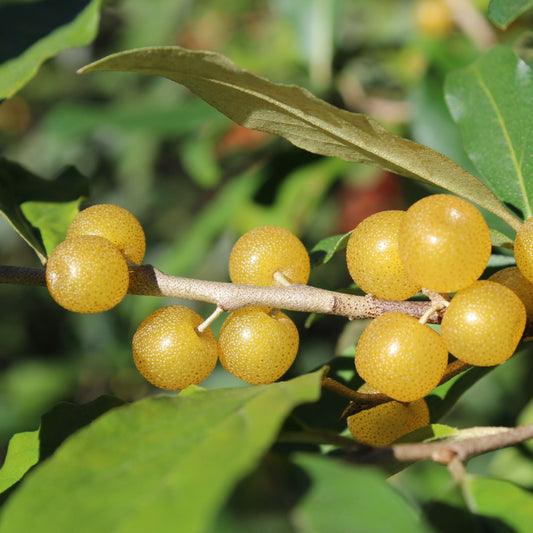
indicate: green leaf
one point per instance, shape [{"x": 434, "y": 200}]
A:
[
  {"x": 427, "y": 433},
  {"x": 49, "y": 27},
  {"x": 501, "y": 500},
  {"x": 22, "y": 454},
  {"x": 444, "y": 397},
  {"x": 491, "y": 100},
  {"x": 343, "y": 497},
  {"x": 161, "y": 464},
  {"x": 68, "y": 121},
  {"x": 40, "y": 210},
  {"x": 324, "y": 250},
  {"x": 306, "y": 121},
  {"x": 27, "y": 449},
  {"x": 503, "y": 12}
]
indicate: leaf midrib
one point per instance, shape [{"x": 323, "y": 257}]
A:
[{"x": 505, "y": 132}]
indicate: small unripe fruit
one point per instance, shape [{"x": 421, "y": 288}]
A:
[
  {"x": 169, "y": 351},
  {"x": 433, "y": 17},
  {"x": 513, "y": 279},
  {"x": 115, "y": 224},
  {"x": 87, "y": 274},
  {"x": 373, "y": 260},
  {"x": 258, "y": 345},
  {"x": 444, "y": 243},
  {"x": 401, "y": 357},
  {"x": 483, "y": 324},
  {"x": 263, "y": 251},
  {"x": 383, "y": 424},
  {"x": 523, "y": 249}
]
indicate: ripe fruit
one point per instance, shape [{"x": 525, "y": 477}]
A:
[
  {"x": 401, "y": 357},
  {"x": 169, "y": 351},
  {"x": 385, "y": 423},
  {"x": 87, "y": 274},
  {"x": 258, "y": 345},
  {"x": 263, "y": 251},
  {"x": 513, "y": 279},
  {"x": 115, "y": 224},
  {"x": 373, "y": 260},
  {"x": 444, "y": 243},
  {"x": 523, "y": 249},
  {"x": 483, "y": 324}
]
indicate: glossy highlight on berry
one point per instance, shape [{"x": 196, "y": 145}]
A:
[
  {"x": 400, "y": 357},
  {"x": 115, "y": 224},
  {"x": 265, "y": 250},
  {"x": 373, "y": 260},
  {"x": 169, "y": 351},
  {"x": 258, "y": 345},
  {"x": 444, "y": 243},
  {"x": 87, "y": 274},
  {"x": 483, "y": 324}
]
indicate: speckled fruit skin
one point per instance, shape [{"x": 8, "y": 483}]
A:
[
  {"x": 170, "y": 353},
  {"x": 513, "y": 279},
  {"x": 523, "y": 249},
  {"x": 385, "y": 423},
  {"x": 258, "y": 346},
  {"x": 261, "y": 252},
  {"x": 373, "y": 260},
  {"x": 401, "y": 357},
  {"x": 115, "y": 224},
  {"x": 87, "y": 274},
  {"x": 483, "y": 324},
  {"x": 444, "y": 243}
]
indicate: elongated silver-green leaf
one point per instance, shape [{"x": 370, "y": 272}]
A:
[{"x": 306, "y": 121}]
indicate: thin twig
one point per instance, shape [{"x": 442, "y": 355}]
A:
[
  {"x": 361, "y": 400},
  {"x": 147, "y": 280},
  {"x": 444, "y": 452}
]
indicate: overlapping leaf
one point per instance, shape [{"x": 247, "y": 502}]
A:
[
  {"x": 503, "y": 12},
  {"x": 35, "y": 31},
  {"x": 306, "y": 121},
  {"x": 27, "y": 449},
  {"x": 161, "y": 464},
  {"x": 40, "y": 210},
  {"x": 491, "y": 100}
]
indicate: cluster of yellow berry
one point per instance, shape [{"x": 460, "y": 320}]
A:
[
  {"x": 441, "y": 244},
  {"x": 173, "y": 347},
  {"x": 173, "y": 350}
]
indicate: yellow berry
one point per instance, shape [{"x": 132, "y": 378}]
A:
[
  {"x": 383, "y": 424},
  {"x": 523, "y": 249},
  {"x": 87, "y": 274},
  {"x": 169, "y": 351},
  {"x": 401, "y": 357},
  {"x": 513, "y": 279},
  {"x": 115, "y": 224},
  {"x": 483, "y": 324},
  {"x": 258, "y": 345},
  {"x": 263, "y": 251},
  {"x": 373, "y": 260},
  {"x": 444, "y": 243}
]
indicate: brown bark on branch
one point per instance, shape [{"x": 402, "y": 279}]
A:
[{"x": 147, "y": 280}]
